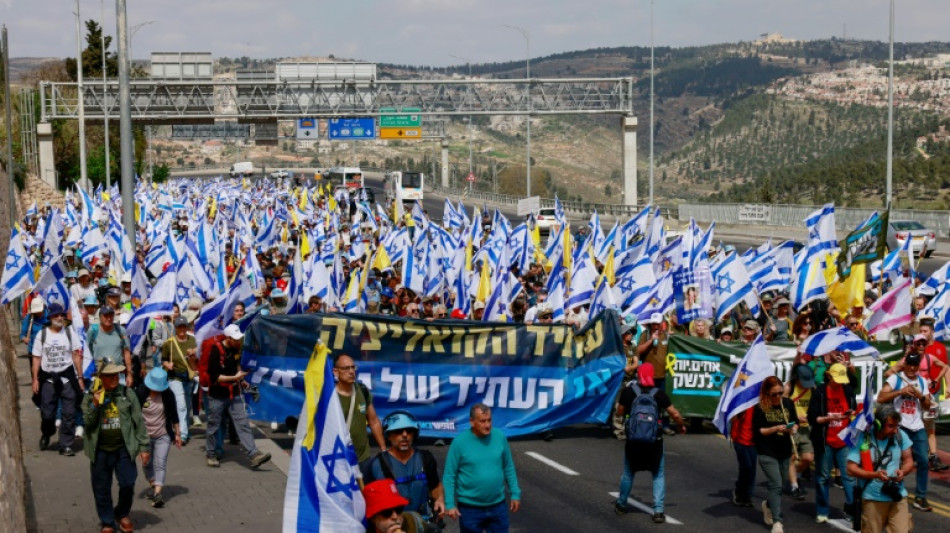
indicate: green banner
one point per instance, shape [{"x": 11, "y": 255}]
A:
[{"x": 698, "y": 369}]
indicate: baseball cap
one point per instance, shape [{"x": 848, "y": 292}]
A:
[
  {"x": 627, "y": 328},
  {"x": 90, "y": 300},
  {"x": 106, "y": 310},
  {"x": 655, "y": 318},
  {"x": 458, "y": 314},
  {"x": 233, "y": 332},
  {"x": 56, "y": 309},
  {"x": 37, "y": 305},
  {"x": 750, "y": 324},
  {"x": 806, "y": 376},
  {"x": 839, "y": 373},
  {"x": 114, "y": 291},
  {"x": 920, "y": 337},
  {"x": 781, "y": 301},
  {"x": 912, "y": 359},
  {"x": 82, "y": 272},
  {"x": 478, "y": 305},
  {"x": 181, "y": 321},
  {"x": 727, "y": 329},
  {"x": 381, "y": 495}
]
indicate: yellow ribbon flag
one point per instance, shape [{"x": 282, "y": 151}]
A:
[
  {"x": 304, "y": 200},
  {"x": 105, "y": 196},
  {"x": 568, "y": 252},
  {"x": 848, "y": 293},
  {"x": 313, "y": 379},
  {"x": 484, "y": 284},
  {"x": 381, "y": 260},
  {"x": 609, "y": 273},
  {"x": 213, "y": 209},
  {"x": 304, "y": 244}
]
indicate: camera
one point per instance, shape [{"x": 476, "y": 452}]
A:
[{"x": 892, "y": 490}]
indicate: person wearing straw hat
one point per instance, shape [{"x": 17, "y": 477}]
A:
[
  {"x": 115, "y": 435},
  {"x": 160, "y": 413}
]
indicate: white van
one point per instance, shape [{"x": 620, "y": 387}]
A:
[{"x": 244, "y": 168}]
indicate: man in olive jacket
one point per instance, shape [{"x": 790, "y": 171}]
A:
[{"x": 115, "y": 434}]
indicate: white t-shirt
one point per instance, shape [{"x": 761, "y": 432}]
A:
[
  {"x": 55, "y": 354},
  {"x": 909, "y": 408},
  {"x": 79, "y": 293}
]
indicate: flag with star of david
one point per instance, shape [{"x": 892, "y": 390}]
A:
[
  {"x": 742, "y": 390},
  {"x": 322, "y": 493},
  {"x": 17, "y": 271}
]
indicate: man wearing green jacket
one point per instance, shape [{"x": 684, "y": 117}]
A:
[
  {"x": 115, "y": 434},
  {"x": 477, "y": 468}
]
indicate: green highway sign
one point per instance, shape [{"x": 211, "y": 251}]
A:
[{"x": 409, "y": 117}]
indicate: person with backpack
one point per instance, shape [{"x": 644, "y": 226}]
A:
[
  {"x": 774, "y": 423},
  {"x": 108, "y": 341},
  {"x": 643, "y": 401},
  {"x": 907, "y": 392},
  {"x": 115, "y": 435},
  {"x": 220, "y": 370},
  {"x": 414, "y": 470},
  {"x": 179, "y": 359},
  {"x": 57, "y": 378}
]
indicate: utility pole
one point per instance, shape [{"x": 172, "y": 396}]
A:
[
  {"x": 105, "y": 93},
  {"x": 890, "y": 113},
  {"x": 652, "y": 127},
  {"x": 7, "y": 96},
  {"x": 83, "y": 178},
  {"x": 125, "y": 125}
]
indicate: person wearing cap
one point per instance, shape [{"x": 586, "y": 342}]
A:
[
  {"x": 278, "y": 301},
  {"x": 357, "y": 403},
  {"x": 386, "y": 305},
  {"x": 477, "y": 468},
  {"x": 478, "y": 310},
  {"x": 907, "y": 391},
  {"x": 113, "y": 297},
  {"x": 57, "y": 378},
  {"x": 830, "y": 409},
  {"x": 179, "y": 360},
  {"x": 226, "y": 379},
  {"x": 384, "y": 506},
  {"x": 545, "y": 314},
  {"x": 414, "y": 470},
  {"x": 30, "y": 329},
  {"x": 640, "y": 456},
  {"x": 780, "y": 328},
  {"x": 627, "y": 332},
  {"x": 765, "y": 312},
  {"x": 108, "y": 341},
  {"x": 126, "y": 287},
  {"x": 726, "y": 334},
  {"x": 160, "y": 415},
  {"x": 115, "y": 435},
  {"x": 427, "y": 311},
  {"x": 79, "y": 291},
  {"x": 799, "y": 389},
  {"x": 90, "y": 312},
  {"x": 750, "y": 331}
]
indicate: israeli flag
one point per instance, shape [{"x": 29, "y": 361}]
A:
[
  {"x": 742, "y": 391},
  {"x": 808, "y": 279},
  {"x": 160, "y": 302},
  {"x": 865, "y": 418},
  {"x": 52, "y": 284},
  {"x": 821, "y": 231},
  {"x": 841, "y": 339},
  {"x": 732, "y": 286},
  {"x": 582, "y": 284},
  {"x": 17, "y": 271},
  {"x": 937, "y": 308}
]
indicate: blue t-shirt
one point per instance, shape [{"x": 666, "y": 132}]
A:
[
  {"x": 414, "y": 479},
  {"x": 873, "y": 490}
]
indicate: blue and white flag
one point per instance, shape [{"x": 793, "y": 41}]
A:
[
  {"x": 732, "y": 286},
  {"x": 17, "y": 271},
  {"x": 160, "y": 302},
  {"x": 821, "y": 231},
  {"x": 937, "y": 309},
  {"x": 52, "y": 284},
  {"x": 808, "y": 279},
  {"x": 840, "y": 339},
  {"x": 864, "y": 419},
  {"x": 938, "y": 278},
  {"x": 322, "y": 491},
  {"x": 742, "y": 391}
]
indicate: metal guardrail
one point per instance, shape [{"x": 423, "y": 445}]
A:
[
  {"x": 616, "y": 210},
  {"x": 846, "y": 219}
]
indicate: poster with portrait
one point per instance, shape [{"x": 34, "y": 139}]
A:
[{"x": 693, "y": 294}]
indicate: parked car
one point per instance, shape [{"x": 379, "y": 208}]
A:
[
  {"x": 243, "y": 168},
  {"x": 923, "y": 240},
  {"x": 279, "y": 173},
  {"x": 546, "y": 221}
]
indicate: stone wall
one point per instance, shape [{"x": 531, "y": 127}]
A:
[{"x": 39, "y": 190}]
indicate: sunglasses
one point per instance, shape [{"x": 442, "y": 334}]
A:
[
  {"x": 775, "y": 394},
  {"x": 389, "y": 512},
  {"x": 347, "y": 368},
  {"x": 852, "y": 324}
]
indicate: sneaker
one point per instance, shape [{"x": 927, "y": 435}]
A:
[
  {"x": 777, "y": 528},
  {"x": 259, "y": 458},
  {"x": 439, "y": 442},
  {"x": 196, "y": 421},
  {"x": 213, "y": 462},
  {"x": 68, "y": 452},
  {"x": 735, "y": 499},
  {"x": 766, "y": 513},
  {"x": 620, "y": 509},
  {"x": 668, "y": 431},
  {"x": 58, "y": 422},
  {"x": 79, "y": 432},
  {"x": 44, "y": 443},
  {"x": 150, "y": 493},
  {"x": 921, "y": 504},
  {"x": 158, "y": 501},
  {"x": 821, "y": 519},
  {"x": 838, "y": 483},
  {"x": 798, "y": 493},
  {"x": 748, "y": 503},
  {"x": 936, "y": 465},
  {"x": 659, "y": 518}
]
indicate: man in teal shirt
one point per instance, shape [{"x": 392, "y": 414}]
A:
[{"x": 478, "y": 466}]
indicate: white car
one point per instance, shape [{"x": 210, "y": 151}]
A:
[
  {"x": 279, "y": 173},
  {"x": 546, "y": 221}
]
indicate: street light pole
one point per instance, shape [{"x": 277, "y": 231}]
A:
[
  {"x": 105, "y": 93},
  {"x": 652, "y": 127},
  {"x": 890, "y": 113},
  {"x": 83, "y": 178},
  {"x": 527, "y": 37},
  {"x": 125, "y": 125},
  {"x": 132, "y": 33}
]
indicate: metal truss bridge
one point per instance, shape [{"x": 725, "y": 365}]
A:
[{"x": 197, "y": 101}]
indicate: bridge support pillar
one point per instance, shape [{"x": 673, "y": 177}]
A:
[
  {"x": 629, "y": 125},
  {"x": 445, "y": 163},
  {"x": 44, "y": 139}
]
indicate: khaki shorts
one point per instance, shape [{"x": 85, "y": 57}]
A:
[
  {"x": 803, "y": 442},
  {"x": 895, "y": 516}
]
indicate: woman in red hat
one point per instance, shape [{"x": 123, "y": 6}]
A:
[{"x": 384, "y": 506}]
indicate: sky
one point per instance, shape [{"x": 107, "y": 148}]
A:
[{"x": 430, "y": 32}]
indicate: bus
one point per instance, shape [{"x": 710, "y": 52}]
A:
[
  {"x": 349, "y": 177},
  {"x": 406, "y": 186}
]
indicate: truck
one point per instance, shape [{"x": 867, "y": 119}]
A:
[{"x": 244, "y": 168}]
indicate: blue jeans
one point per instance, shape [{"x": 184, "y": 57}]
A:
[
  {"x": 920, "y": 449},
  {"x": 746, "y": 456},
  {"x": 493, "y": 519},
  {"x": 659, "y": 485},
  {"x": 101, "y": 471},
  {"x": 182, "y": 391},
  {"x": 823, "y": 481},
  {"x": 776, "y": 475}
]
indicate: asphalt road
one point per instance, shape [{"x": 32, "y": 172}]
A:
[{"x": 567, "y": 484}]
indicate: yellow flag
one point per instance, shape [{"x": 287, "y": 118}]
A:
[
  {"x": 484, "y": 284},
  {"x": 304, "y": 198},
  {"x": 105, "y": 196},
  {"x": 331, "y": 202},
  {"x": 214, "y": 208},
  {"x": 848, "y": 293},
  {"x": 381, "y": 260},
  {"x": 568, "y": 251},
  {"x": 313, "y": 379},
  {"x": 304, "y": 244},
  {"x": 609, "y": 268}
]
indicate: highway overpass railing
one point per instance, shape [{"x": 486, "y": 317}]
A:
[{"x": 586, "y": 208}]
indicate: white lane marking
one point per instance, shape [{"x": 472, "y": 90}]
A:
[
  {"x": 643, "y": 507},
  {"x": 553, "y": 464},
  {"x": 840, "y": 523}
]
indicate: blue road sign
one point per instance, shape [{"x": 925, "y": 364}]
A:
[{"x": 352, "y": 128}]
